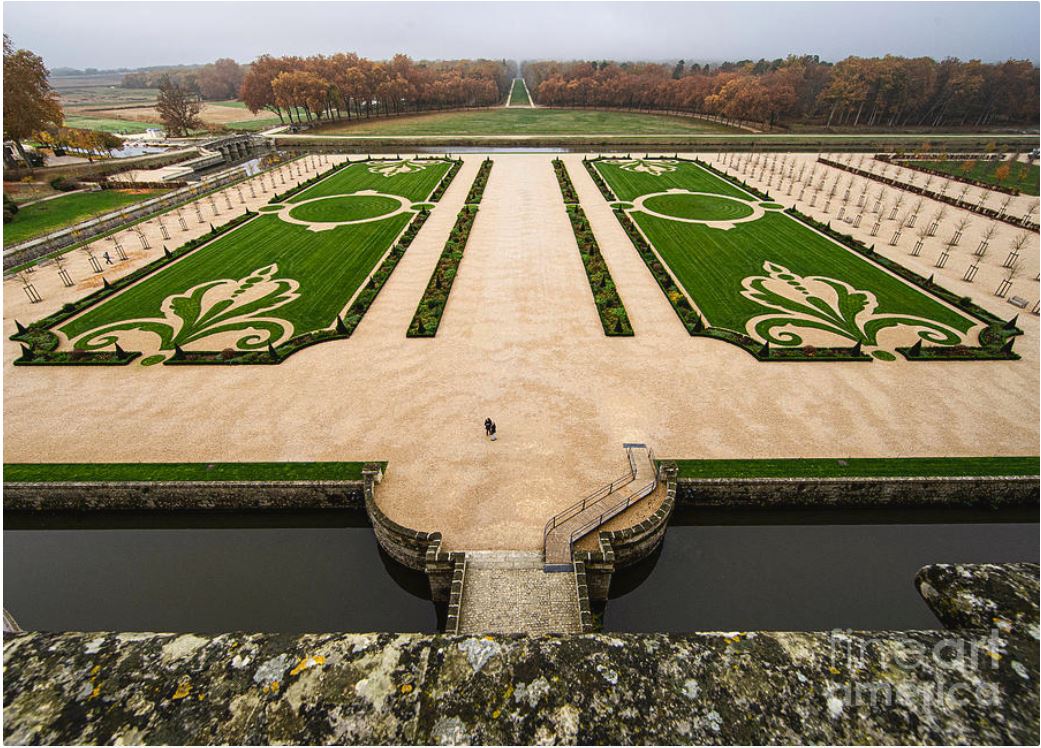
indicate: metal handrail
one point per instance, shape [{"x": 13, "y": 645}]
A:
[
  {"x": 600, "y": 493},
  {"x": 615, "y": 510}
]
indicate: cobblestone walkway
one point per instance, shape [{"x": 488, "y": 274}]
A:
[{"x": 507, "y": 592}]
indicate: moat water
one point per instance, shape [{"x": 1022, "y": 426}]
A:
[
  {"x": 323, "y": 571},
  {"x": 208, "y": 572},
  {"x": 806, "y": 570}
]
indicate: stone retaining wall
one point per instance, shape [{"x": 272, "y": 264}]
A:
[
  {"x": 589, "y": 689},
  {"x": 989, "y": 491},
  {"x": 183, "y": 495}
]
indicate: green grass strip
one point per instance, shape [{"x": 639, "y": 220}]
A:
[
  {"x": 40, "y": 219},
  {"x": 43, "y": 472},
  {"x": 862, "y": 467}
]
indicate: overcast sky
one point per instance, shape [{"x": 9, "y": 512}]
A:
[{"x": 136, "y": 34}]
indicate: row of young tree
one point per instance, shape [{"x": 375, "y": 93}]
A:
[
  {"x": 345, "y": 85},
  {"x": 856, "y": 92}
]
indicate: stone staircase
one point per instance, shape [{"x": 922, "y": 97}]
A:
[
  {"x": 505, "y": 592},
  {"x": 608, "y": 501}
]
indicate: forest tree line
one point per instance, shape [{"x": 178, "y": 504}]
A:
[
  {"x": 871, "y": 92},
  {"x": 342, "y": 85}
]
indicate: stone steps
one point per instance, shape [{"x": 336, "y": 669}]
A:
[{"x": 508, "y": 592}]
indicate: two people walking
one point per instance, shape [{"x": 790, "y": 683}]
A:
[{"x": 489, "y": 428}]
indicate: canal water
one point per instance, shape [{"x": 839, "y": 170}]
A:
[
  {"x": 208, "y": 572},
  {"x": 729, "y": 570}
]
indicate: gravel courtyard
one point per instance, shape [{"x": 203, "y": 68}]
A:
[{"x": 520, "y": 342}]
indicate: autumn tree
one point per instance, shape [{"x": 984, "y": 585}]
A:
[
  {"x": 30, "y": 104},
  {"x": 178, "y": 108},
  {"x": 220, "y": 80}
]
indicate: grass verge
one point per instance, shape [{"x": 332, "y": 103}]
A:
[
  {"x": 40, "y": 472},
  {"x": 859, "y": 467}
]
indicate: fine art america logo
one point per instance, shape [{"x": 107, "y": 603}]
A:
[{"x": 918, "y": 675}]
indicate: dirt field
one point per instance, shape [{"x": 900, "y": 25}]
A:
[{"x": 520, "y": 342}]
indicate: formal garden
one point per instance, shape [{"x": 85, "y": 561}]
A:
[
  {"x": 303, "y": 269},
  {"x": 736, "y": 266}
]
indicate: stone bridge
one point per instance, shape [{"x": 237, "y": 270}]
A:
[{"x": 235, "y": 147}]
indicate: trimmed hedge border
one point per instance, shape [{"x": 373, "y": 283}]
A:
[
  {"x": 613, "y": 317},
  {"x": 971, "y": 207},
  {"x": 435, "y": 298},
  {"x": 598, "y": 180},
  {"x": 995, "y": 340},
  {"x": 442, "y": 186},
  {"x": 40, "y": 344},
  {"x": 473, "y": 197},
  {"x": 567, "y": 189}
]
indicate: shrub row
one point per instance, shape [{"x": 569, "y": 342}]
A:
[
  {"x": 567, "y": 189},
  {"x": 613, "y": 317},
  {"x": 480, "y": 182},
  {"x": 42, "y": 342},
  {"x": 118, "y": 357},
  {"x": 598, "y": 180},
  {"x": 343, "y": 327},
  {"x": 432, "y": 305},
  {"x": 443, "y": 185},
  {"x": 963, "y": 204}
]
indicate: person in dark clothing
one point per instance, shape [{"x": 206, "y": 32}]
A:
[
  {"x": 492, "y": 431},
  {"x": 487, "y": 426}
]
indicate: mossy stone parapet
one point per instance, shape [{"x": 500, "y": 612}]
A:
[
  {"x": 589, "y": 689},
  {"x": 857, "y": 492}
]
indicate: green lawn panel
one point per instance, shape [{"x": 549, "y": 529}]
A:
[
  {"x": 526, "y": 121},
  {"x": 346, "y": 208},
  {"x": 1023, "y": 177}
]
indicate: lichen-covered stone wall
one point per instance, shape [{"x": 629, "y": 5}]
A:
[{"x": 713, "y": 688}]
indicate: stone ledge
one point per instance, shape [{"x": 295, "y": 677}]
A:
[{"x": 711, "y": 688}]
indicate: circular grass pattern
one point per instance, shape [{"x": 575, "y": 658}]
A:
[
  {"x": 699, "y": 207},
  {"x": 344, "y": 208}
]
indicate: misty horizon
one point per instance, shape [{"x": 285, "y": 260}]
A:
[{"x": 66, "y": 34}]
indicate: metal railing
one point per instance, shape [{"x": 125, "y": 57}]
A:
[
  {"x": 620, "y": 506},
  {"x": 580, "y": 506}
]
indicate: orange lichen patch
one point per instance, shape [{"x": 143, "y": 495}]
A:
[
  {"x": 306, "y": 663},
  {"x": 406, "y": 688},
  {"x": 272, "y": 687},
  {"x": 184, "y": 688}
]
